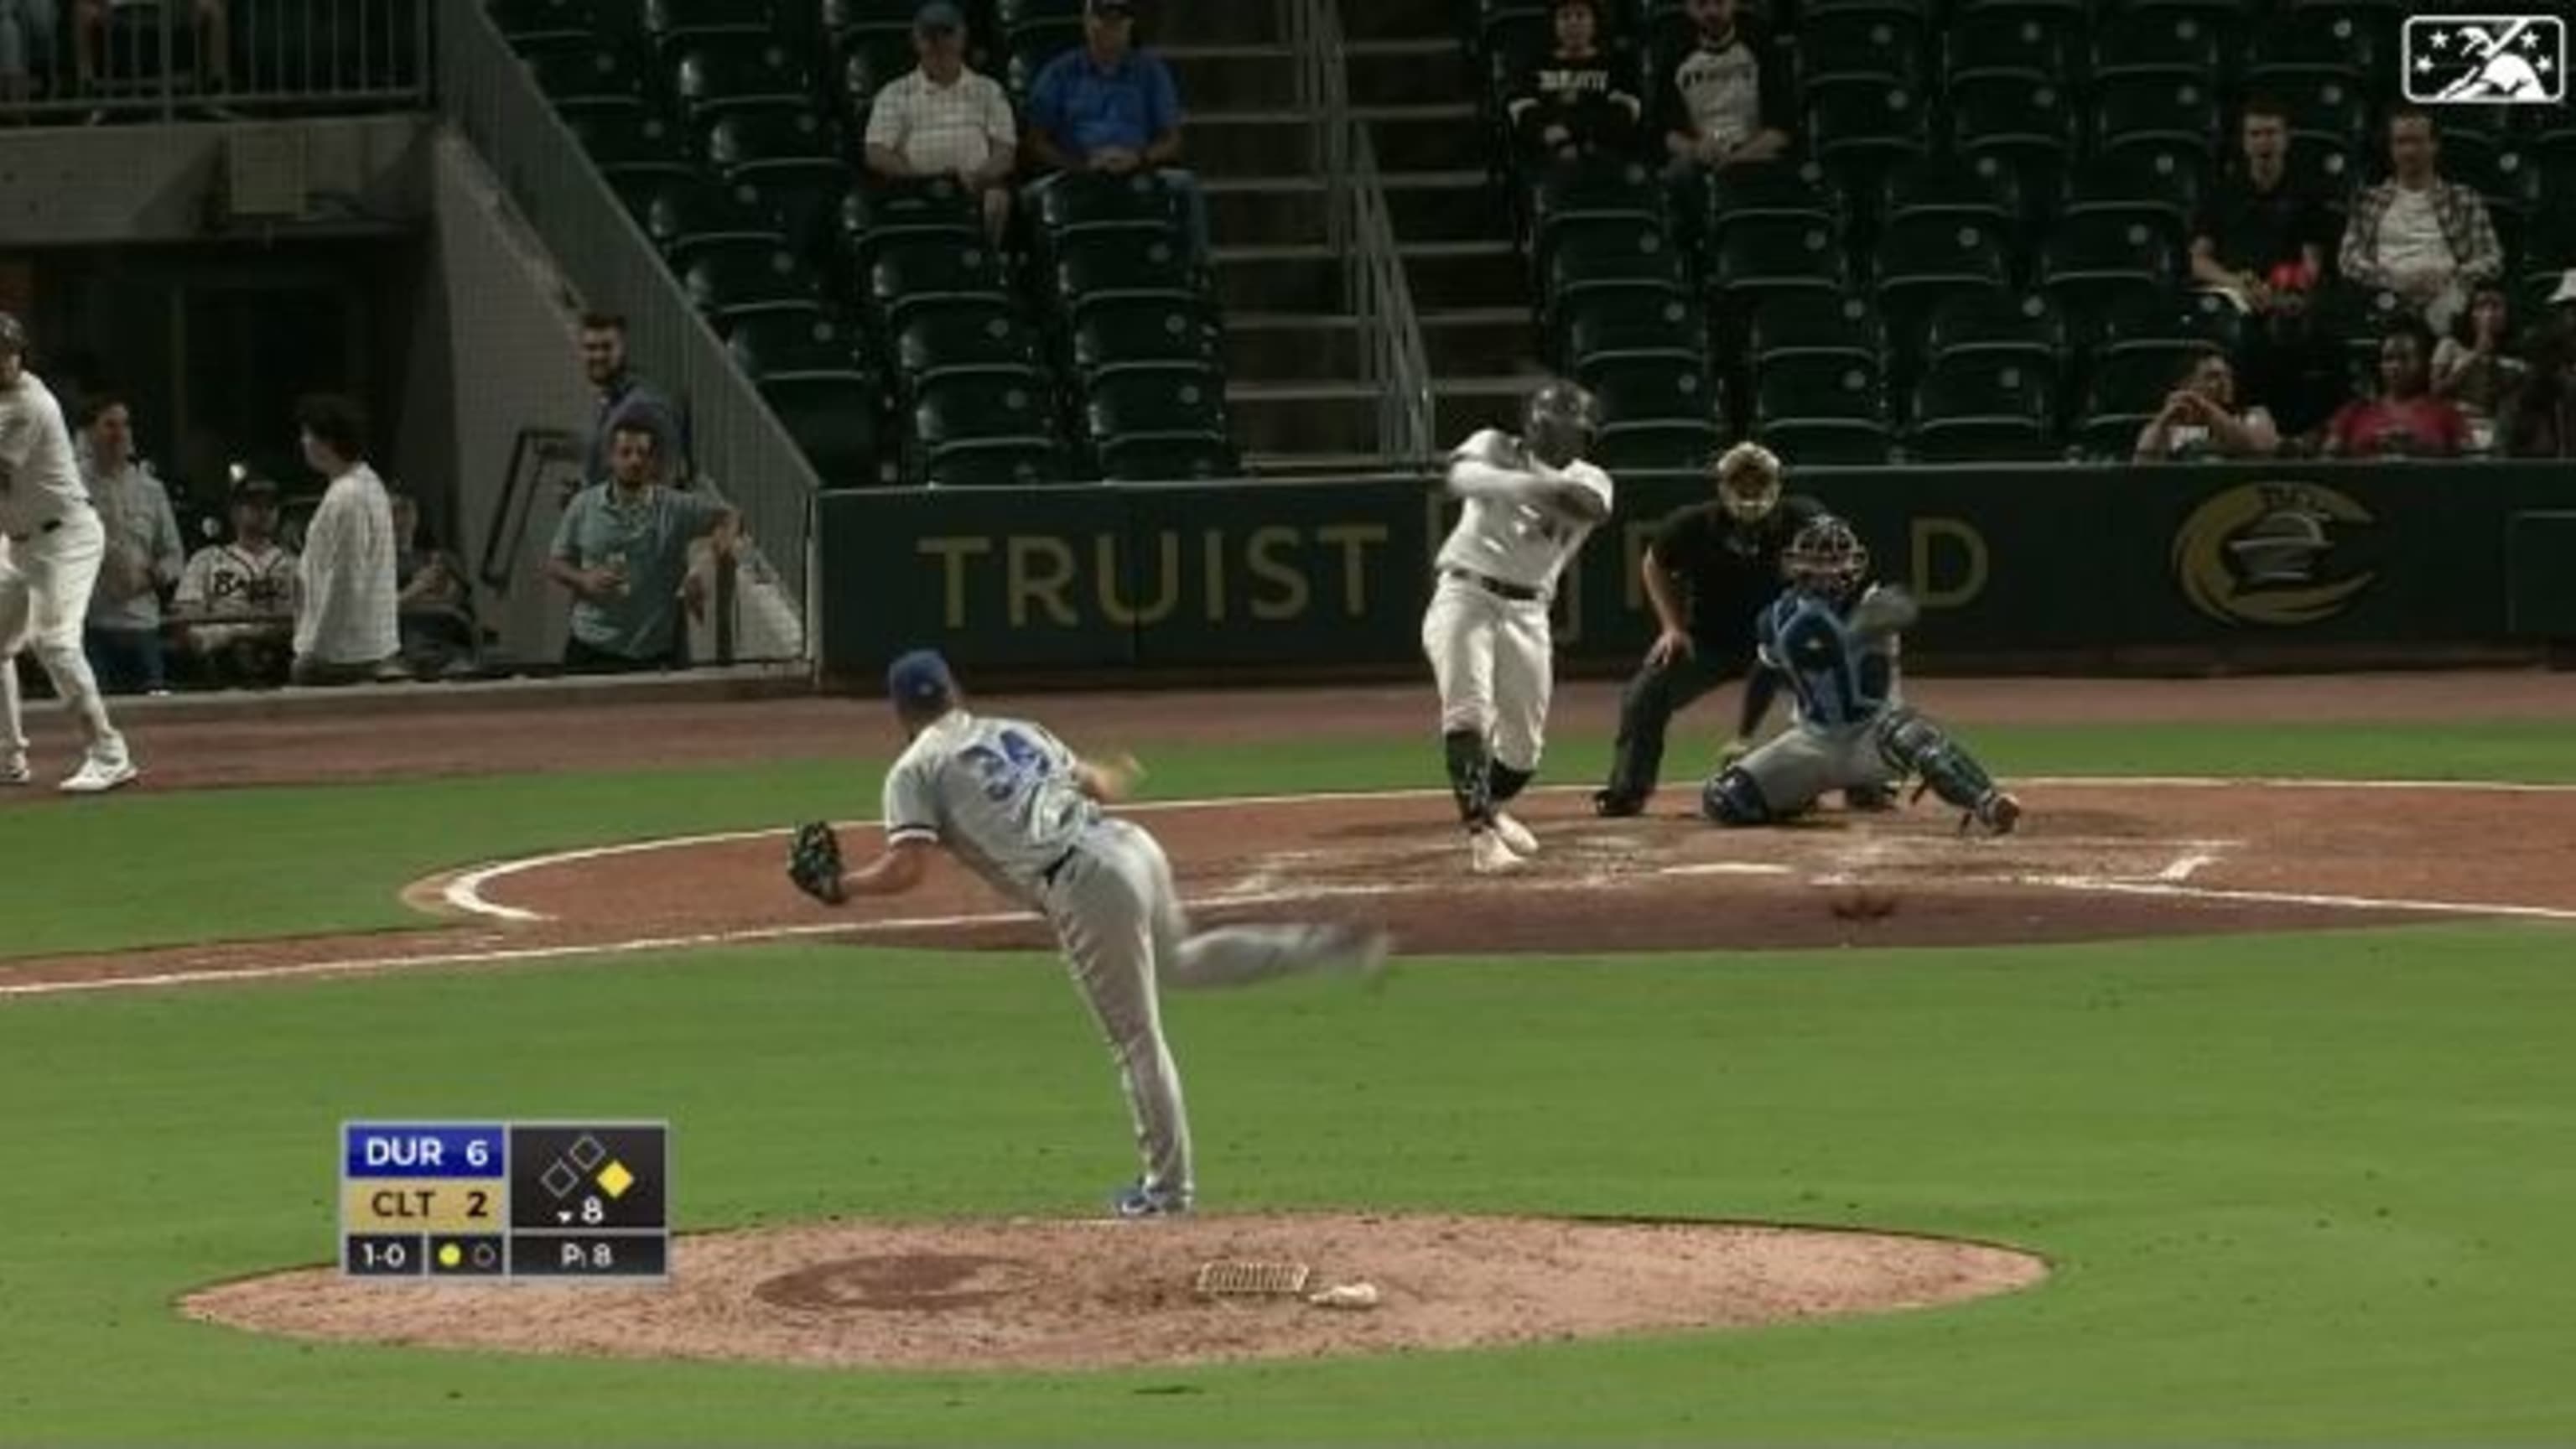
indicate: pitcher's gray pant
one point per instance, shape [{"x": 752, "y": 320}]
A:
[{"x": 1119, "y": 916}]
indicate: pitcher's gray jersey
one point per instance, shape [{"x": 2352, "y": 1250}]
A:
[{"x": 1000, "y": 794}]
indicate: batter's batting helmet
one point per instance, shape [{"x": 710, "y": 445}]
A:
[
  {"x": 1559, "y": 422},
  {"x": 1748, "y": 481},
  {"x": 1825, "y": 556}
]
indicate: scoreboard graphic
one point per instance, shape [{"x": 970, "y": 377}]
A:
[{"x": 505, "y": 1200}]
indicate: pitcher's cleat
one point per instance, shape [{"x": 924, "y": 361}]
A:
[
  {"x": 97, "y": 776},
  {"x": 1137, "y": 1201}
]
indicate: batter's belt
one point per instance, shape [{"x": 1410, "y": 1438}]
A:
[{"x": 1517, "y": 593}]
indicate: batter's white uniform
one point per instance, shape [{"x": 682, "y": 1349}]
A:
[
  {"x": 50, "y": 564},
  {"x": 1002, "y": 796},
  {"x": 1487, "y": 629}
]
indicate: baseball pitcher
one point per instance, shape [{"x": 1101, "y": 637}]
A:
[
  {"x": 1020, "y": 810},
  {"x": 1837, "y": 656},
  {"x": 55, "y": 544},
  {"x": 1530, "y": 502}
]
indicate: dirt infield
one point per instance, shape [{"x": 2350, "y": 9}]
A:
[{"x": 1089, "y": 1295}]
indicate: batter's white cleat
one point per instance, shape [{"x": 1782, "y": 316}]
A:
[
  {"x": 1488, "y": 855},
  {"x": 1515, "y": 835},
  {"x": 97, "y": 776},
  {"x": 13, "y": 768}
]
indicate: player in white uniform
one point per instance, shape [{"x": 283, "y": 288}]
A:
[
  {"x": 1016, "y": 807},
  {"x": 48, "y": 565},
  {"x": 1530, "y": 503}
]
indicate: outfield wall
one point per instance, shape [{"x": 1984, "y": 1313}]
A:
[{"x": 2054, "y": 561}]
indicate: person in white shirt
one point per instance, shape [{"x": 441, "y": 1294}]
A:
[
  {"x": 2427, "y": 239},
  {"x": 1530, "y": 503},
  {"x": 50, "y": 546},
  {"x": 236, "y": 601},
  {"x": 347, "y": 605},
  {"x": 144, "y": 553},
  {"x": 942, "y": 119}
]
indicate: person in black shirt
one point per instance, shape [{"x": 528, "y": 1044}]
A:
[
  {"x": 1569, "y": 101},
  {"x": 2263, "y": 238},
  {"x": 1709, "y": 570}
]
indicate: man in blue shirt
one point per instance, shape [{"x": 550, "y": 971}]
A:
[{"x": 1107, "y": 106}]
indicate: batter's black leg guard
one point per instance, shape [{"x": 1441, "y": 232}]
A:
[
  {"x": 1916, "y": 746},
  {"x": 1471, "y": 776},
  {"x": 1507, "y": 782},
  {"x": 1732, "y": 797}
]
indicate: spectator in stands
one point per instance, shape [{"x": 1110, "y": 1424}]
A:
[
  {"x": 434, "y": 605},
  {"x": 624, "y": 395},
  {"x": 2476, "y": 366},
  {"x": 942, "y": 119},
  {"x": 144, "y": 552},
  {"x": 2424, "y": 238},
  {"x": 623, "y": 550},
  {"x": 2200, "y": 419},
  {"x": 1108, "y": 106},
  {"x": 235, "y": 609},
  {"x": 2261, "y": 237},
  {"x": 1729, "y": 100},
  {"x": 1569, "y": 102},
  {"x": 2541, "y": 419},
  {"x": 347, "y": 621},
  {"x": 26, "y": 47},
  {"x": 2405, "y": 420},
  {"x": 89, "y": 42}
]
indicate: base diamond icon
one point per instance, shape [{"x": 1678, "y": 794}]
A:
[{"x": 560, "y": 1179}]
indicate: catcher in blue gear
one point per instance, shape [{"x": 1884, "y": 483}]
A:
[{"x": 1834, "y": 645}]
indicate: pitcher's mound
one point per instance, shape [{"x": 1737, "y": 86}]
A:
[{"x": 1073, "y": 1295}]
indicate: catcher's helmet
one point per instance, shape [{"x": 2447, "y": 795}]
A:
[
  {"x": 1748, "y": 481},
  {"x": 1559, "y": 422},
  {"x": 1825, "y": 557}
]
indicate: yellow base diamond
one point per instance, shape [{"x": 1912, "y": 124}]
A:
[{"x": 614, "y": 1179}]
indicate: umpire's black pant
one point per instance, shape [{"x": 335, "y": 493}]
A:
[{"x": 1647, "y": 707}]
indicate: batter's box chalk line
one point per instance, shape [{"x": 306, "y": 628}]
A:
[{"x": 1251, "y": 1278}]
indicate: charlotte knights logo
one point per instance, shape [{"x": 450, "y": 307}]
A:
[
  {"x": 2512, "y": 60},
  {"x": 2254, "y": 554}
]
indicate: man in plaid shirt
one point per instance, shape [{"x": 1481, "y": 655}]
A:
[{"x": 2424, "y": 238}]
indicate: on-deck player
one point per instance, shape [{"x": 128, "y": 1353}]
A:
[
  {"x": 48, "y": 566},
  {"x": 1531, "y": 500},
  {"x": 1838, "y": 657},
  {"x": 1019, "y": 809}
]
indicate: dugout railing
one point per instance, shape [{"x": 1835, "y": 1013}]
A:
[{"x": 175, "y": 60}]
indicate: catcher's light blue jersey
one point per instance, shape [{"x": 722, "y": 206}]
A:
[
  {"x": 1000, "y": 794},
  {"x": 1842, "y": 670}
]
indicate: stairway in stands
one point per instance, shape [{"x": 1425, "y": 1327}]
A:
[{"x": 1292, "y": 349}]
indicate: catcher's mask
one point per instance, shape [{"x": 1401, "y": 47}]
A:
[
  {"x": 1559, "y": 423},
  {"x": 1748, "y": 481},
  {"x": 1825, "y": 557}
]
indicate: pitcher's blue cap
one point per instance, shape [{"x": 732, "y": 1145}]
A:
[{"x": 920, "y": 681}]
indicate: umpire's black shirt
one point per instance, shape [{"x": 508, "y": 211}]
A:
[{"x": 1728, "y": 570}]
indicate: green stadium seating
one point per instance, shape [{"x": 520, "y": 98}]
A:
[
  {"x": 1121, "y": 337},
  {"x": 790, "y": 344},
  {"x": 2158, "y": 185},
  {"x": 1982, "y": 189},
  {"x": 1589, "y": 263},
  {"x": 2331, "y": 110},
  {"x": 2089, "y": 263},
  {"x": 2005, "y": 45},
  {"x": 682, "y": 212},
  {"x": 833, "y": 417},
  {"x": 673, "y": 24},
  {"x": 1923, "y": 259},
  {"x": 909, "y": 277},
  {"x": 719, "y": 74},
  {"x": 1096, "y": 271},
  {"x": 2156, "y": 112},
  {"x": 1769, "y": 191},
  {"x": 968, "y": 433},
  {"x": 1871, "y": 51},
  {"x": 985, "y": 336},
  {"x": 2171, "y": 327},
  {"x": 1976, "y": 409},
  {"x": 1824, "y": 326},
  {"x": 2176, "y": 47},
  {"x": 2320, "y": 44},
  {"x": 1142, "y": 424},
  {"x": 1861, "y": 130},
  {"x": 522, "y": 20},
  {"x": 1759, "y": 259},
  {"x": 2030, "y": 128},
  {"x": 1822, "y": 410},
  {"x": 2123, "y": 396},
  {"x": 1635, "y": 326},
  {"x": 876, "y": 215},
  {"x": 733, "y": 281},
  {"x": 1135, "y": 210},
  {"x": 2026, "y": 329}
]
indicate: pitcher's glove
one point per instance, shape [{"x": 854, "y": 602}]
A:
[{"x": 814, "y": 863}]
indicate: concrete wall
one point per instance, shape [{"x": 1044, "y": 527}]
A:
[{"x": 117, "y": 185}]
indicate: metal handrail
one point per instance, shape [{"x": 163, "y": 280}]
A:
[
  {"x": 743, "y": 453},
  {"x": 1361, "y": 231},
  {"x": 172, "y": 66}
]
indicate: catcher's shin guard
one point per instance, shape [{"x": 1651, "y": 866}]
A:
[
  {"x": 1471, "y": 776},
  {"x": 1733, "y": 797},
  {"x": 1508, "y": 782},
  {"x": 1914, "y": 745}
]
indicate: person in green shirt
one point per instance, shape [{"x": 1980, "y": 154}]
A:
[{"x": 622, "y": 550}]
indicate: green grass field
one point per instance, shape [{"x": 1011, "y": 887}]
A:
[{"x": 2294, "y": 1188}]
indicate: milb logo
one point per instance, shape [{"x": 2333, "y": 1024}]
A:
[{"x": 2512, "y": 60}]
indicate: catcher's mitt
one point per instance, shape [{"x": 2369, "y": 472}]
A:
[{"x": 814, "y": 862}]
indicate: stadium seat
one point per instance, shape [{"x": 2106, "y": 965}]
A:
[
  {"x": 1923, "y": 259},
  {"x": 2171, "y": 327},
  {"x": 2158, "y": 185},
  {"x": 833, "y": 417},
  {"x": 1858, "y": 131},
  {"x": 1976, "y": 409},
  {"x": 584, "y": 77},
  {"x": 2089, "y": 263},
  {"x": 2006, "y": 45},
  {"x": 1816, "y": 326},
  {"x": 1119, "y": 338},
  {"x": 2175, "y": 47},
  {"x": 858, "y": 72},
  {"x": 2326, "y": 166},
  {"x": 1666, "y": 446},
  {"x": 1769, "y": 191},
  {"x": 1638, "y": 391},
  {"x": 908, "y": 278},
  {"x": 1983, "y": 189},
  {"x": 1139, "y": 418},
  {"x": 1759, "y": 259},
  {"x": 674, "y": 24},
  {"x": 1630, "y": 326},
  {"x": 803, "y": 203},
  {"x": 1871, "y": 51},
  {"x": 968, "y": 433},
  {"x": 968, "y": 335},
  {"x": 2155, "y": 112},
  {"x": 788, "y": 344},
  {"x": 877, "y": 214},
  {"x": 2030, "y": 128},
  {"x": 1586, "y": 264},
  {"x": 1095, "y": 272},
  {"x": 1822, "y": 410},
  {"x": 682, "y": 212},
  {"x": 2332, "y": 110},
  {"x": 732, "y": 282},
  {"x": 521, "y": 20},
  {"x": 2027, "y": 329},
  {"x": 1593, "y": 190},
  {"x": 719, "y": 74},
  {"x": 2123, "y": 396},
  {"x": 2070, "y": 14},
  {"x": 744, "y": 142},
  {"x": 2314, "y": 45},
  {"x": 1133, "y": 210}
]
